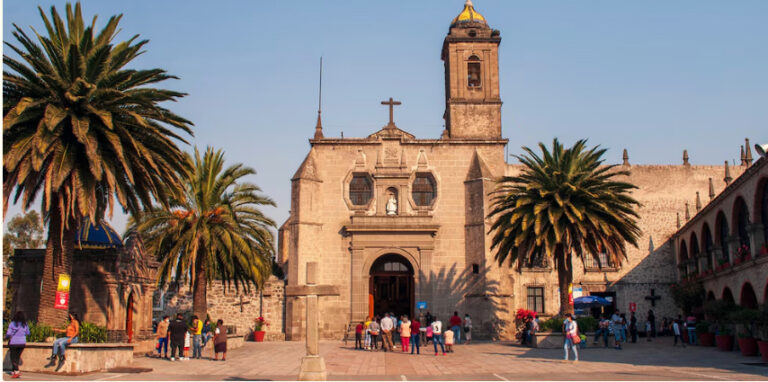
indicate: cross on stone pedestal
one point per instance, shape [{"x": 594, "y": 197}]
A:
[
  {"x": 312, "y": 365},
  {"x": 653, "y": 297},
  {"x": 391, "y": 104}
]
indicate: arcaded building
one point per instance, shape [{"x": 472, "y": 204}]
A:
[{"x": 396, "y": 220}]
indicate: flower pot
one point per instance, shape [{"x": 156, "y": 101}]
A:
[
  {"x": 707, "y": 339},
  {"x": 724, "y": 342},
  {"x": 763, "y": 346},
  {"x": 748, "y": 346},
  {"x": 258, "y": 335}
]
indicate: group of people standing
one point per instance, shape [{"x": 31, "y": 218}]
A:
[
  {"x": 18, "y": 331},
  {"x": 181, "y": 334},
  {"x": 411, "y": 333}
]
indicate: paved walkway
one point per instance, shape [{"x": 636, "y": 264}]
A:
[{"x": 657, "y": 360}]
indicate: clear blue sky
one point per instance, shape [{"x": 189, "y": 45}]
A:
[{"x": 655, "y": 77}]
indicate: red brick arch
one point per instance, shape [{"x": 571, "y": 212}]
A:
[
  {"x": 748, "y": 299},
  {"x": 728, "y": 295}
]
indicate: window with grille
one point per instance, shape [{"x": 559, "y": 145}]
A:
[
  {"x": 536, "y": 299},
  {"x": 360, "y": 190},
  {"x": 591, "y": 262},
  {"x": 473, "y": 72},
  {"x": 423, "y": 190}
]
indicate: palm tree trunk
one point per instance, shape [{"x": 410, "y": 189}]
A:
[
  {"x": 58, "y": 259},
  {"x": 199, "y": 292},
  {"x": 564, "y": 278}
]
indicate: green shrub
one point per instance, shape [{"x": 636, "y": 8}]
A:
[
  {"x": 89, "y": 333},
  {"x": 92, "y": 334},
  {"x": 554, "y": 324},
  {"x": 586, "y": 324},
  {"x": 718, "y": 310},
  {"x": 744, "y": 316},
  {"x": 702, "y": 327}
]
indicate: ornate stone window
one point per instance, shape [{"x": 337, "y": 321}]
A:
[
  {"x": 360, "y": 190},
  {"x": 473, "y": 72},
  {"x": 424, "y": 190}
]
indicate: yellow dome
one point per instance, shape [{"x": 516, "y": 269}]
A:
[{"x": 469, "y": 14}]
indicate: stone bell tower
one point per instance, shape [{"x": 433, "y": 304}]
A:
[{"x": 471, "y": 56}]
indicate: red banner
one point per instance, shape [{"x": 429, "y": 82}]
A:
[
  {"x": 632, "y": 307},
  {"x": 62, "y": 300}
]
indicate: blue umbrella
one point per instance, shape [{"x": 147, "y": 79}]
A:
[{"x": 584, "y": 302}]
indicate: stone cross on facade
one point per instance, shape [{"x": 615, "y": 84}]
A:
[
  {"x": 241, "y": 303},
  {"x": 312, "y": 365},
  {"x": 391, "y": 104},
  {"x": 653, "y": 297}
]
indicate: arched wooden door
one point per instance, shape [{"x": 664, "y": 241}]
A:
[
  {"x": 129, "y": 318},
  {"x": 391, "y": 287}
]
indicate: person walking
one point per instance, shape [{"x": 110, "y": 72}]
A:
[
  {"x": 455, "y": 322},
  {"x": 415, "y": 336},
  {"x": 17, "y": 333},
  {"x": 437, "y": 334},
  {"x": 162, "y": 337},
  {"x": 624, "y": 328},
  {"x": 70, "y": 337},
  {"x": 177, "y": 330},
  {"x": 571, "y": 332},
  {"x": 197, "y": 333},
  {"x": 220, "y": 341},
  {"x": 633, "y": 327},
  {"x": 375, "y": 330},
  {"x": 387, "y": 325},
  {"x": 405, "y": 334},
  {"x": 467, "y": 328}
]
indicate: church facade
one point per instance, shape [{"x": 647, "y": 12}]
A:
[{"x": 398, "y": 223}]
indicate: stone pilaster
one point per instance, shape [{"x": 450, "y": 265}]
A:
[{"x": 359, "y": 303}]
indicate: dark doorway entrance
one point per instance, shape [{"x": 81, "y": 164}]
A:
[
  {"x": 391, "y": 285},
  {"x": 609, "y": 309},
  {"x": 129, "y": 318}
]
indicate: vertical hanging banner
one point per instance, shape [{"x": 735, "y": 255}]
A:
[
  {"x": 570, "y": 294},
  {"x": 62, "y": 292}
]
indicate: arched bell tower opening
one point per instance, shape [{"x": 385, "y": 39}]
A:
[{"x": 391, "y": 286}]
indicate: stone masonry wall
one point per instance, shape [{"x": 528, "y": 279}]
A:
[{"x": 225, "y": 303}]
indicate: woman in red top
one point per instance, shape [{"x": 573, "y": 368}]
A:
[
  {"x": 359, "y": 336},
  {"x": 455, "y": 322}
]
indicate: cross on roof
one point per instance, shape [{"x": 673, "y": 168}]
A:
[
  {"x": 653, "y": 297},
  {"x": 391, "y": 104}
]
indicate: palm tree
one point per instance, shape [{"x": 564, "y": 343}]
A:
[
  {"x": 80, "y": 129},
  {"x": 563, "y": 203},
  {"x": 215, "y": 231}
]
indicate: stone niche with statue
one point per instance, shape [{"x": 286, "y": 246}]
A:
[{"x": 112, "y": 283}]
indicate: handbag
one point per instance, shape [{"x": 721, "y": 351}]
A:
[
  {"x": 576, "y": 339},
  {"x": 466, "y": 329}
]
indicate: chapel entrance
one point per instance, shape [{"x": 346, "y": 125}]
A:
[
  {"x": 129, "y": 318},
  {"x": 391, "y": 286}
]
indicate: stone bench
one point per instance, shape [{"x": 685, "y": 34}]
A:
[
  {"x": 81, "y": 358},
  {"x": 553, "y": 340}
]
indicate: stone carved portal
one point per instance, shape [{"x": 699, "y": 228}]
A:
[{"x": 391, "y": 286}]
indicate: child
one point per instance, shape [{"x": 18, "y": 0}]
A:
[
  {"x": 448, "y": 340},
  {"x": 186, "y": 346},
  {"x": 359, "y": 336},
  {"x": 648, "y": 330},
  {"x": 429, "y": 333}
]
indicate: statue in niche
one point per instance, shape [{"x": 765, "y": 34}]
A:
[{"x": 392, "y": 205}]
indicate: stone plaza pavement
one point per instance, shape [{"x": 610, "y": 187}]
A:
[{"x": 657, "y": 360}]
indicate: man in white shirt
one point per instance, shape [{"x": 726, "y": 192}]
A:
[
  {"x": 437, "y": 335},
  {"x": 618, "y": 326},
  {"x": 386, "y": 328}
]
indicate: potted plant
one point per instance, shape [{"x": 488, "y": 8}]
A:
[
  {"x": 706, "y": 338},
  {"x": 762, "y": 327},
  {"x": 718, "y": 311},
  {"x": 258, "y": 331},
  {"x": 745, "y": 319}
]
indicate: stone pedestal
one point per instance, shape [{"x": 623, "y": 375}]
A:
[{"x": 313, "y": 369}]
